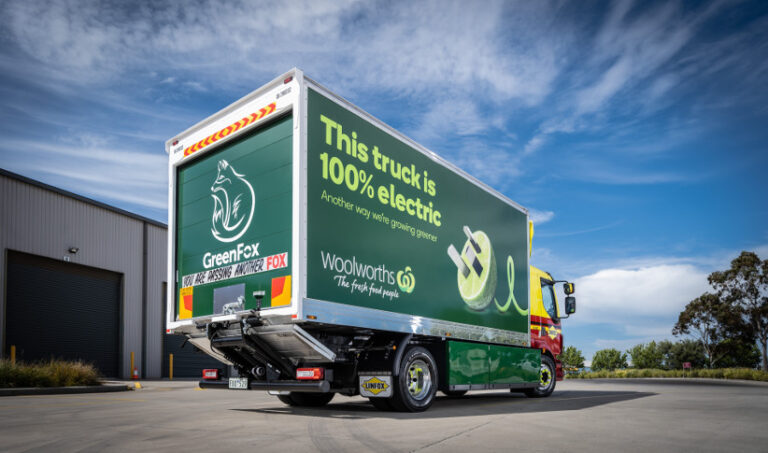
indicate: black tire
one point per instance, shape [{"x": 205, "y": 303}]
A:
[
  {"x": 381, "y": 404},
  {"x": 454, "y": 393},
  {"x": 303, "y": 399},
  {"x": 416, "y": 383},
  {"x": 547, "y": 379},
  {"x": 286, "y": 399}
]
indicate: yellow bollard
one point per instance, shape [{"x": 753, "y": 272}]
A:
[
  {"x": 13, "y": 354},
  {"x": 170, "y": 367},
  {"x": 130, "y": 373}
]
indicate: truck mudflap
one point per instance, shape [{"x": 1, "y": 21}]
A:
[{"x": 278, "y": 386}]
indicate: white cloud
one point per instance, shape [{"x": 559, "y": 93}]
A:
[
  {"x": 440, "y": 58},
  {"x": 630, "y": 65},
  {"x": 458, "y": 117},
  {"x": 639, "y": 304},
  {"x": 91, "y": 166},
  {"x": 534, "y": 143},
  {"x": 621, "y": 345},
  {"x": 429, "y": 47},
  {"x": 495, "y": 166},
  {"x": 762, "y": 251},
  {"x": 538, "y": 217},
  {"x": 623, "y": 295}
]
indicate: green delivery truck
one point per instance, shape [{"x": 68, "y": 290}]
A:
[{"x": 317, "y": 251}]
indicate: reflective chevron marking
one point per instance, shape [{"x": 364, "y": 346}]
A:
[{"x": 234, "y": 127}]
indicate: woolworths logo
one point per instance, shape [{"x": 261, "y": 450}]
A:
[
  {"x": 405, "y": 280},
  {"x": 233, "y": 204}
]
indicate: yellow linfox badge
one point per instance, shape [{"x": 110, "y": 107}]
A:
[{"x": 376, "y": 386}]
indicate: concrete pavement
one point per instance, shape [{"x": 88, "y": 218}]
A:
[{"x": 590, "y": 416}]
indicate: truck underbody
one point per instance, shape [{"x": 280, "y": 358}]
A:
[{"x": 268, "y": 353}]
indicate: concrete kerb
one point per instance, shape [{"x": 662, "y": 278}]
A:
[{"x": 64, "y": 390}]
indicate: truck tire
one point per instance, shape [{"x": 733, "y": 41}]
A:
[
  {"x": 286, "y": 399},
  {"x": 302, "y": 399},
  {"x": 381, "y": 404},
  {"x": 547, "y": 379},
  {"x": 416, "y": 383}
]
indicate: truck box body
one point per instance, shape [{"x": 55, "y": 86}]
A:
[{"x": 298, "y": 206}]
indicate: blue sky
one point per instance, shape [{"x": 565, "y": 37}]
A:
[{"x": 635, "y": 132}]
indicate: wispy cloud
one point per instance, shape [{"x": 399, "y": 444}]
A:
[
  {"x": 494, "y": 165},
  {"x": 581, "y": 231},
  {"x": 539, "y": 217},
  {"x": 91, "y": 166}
]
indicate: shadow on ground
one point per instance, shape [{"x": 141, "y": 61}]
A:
[{"x": 477, "y": 404}]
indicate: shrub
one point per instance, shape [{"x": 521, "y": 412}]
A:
[
  {"x": 717, "y": 373},
  {"x": 54, "y": 373}
]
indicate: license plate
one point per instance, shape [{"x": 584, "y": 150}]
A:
[{"x": 238, "y": 383}]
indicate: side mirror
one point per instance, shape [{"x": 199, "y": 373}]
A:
[
  {"x": 569, "y": 288},
  {"x": 570, "y": 305}
]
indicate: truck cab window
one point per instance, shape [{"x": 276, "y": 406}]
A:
[{"x": 548, "y": 298}]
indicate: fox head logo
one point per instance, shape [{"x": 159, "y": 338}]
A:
[{"x": 233, "y": 204}]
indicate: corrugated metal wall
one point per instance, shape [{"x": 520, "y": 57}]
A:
[
  {"x": 157, "y": 243},
  {"x": 42, "y": 221}
]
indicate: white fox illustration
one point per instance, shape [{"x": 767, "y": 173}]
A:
[{"x": 233, "y": 204}]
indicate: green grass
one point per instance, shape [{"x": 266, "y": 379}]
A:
[
  {"x": 718, "y": 373},
  {"x": 55, "y": 373}
]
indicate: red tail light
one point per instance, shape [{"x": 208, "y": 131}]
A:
[
  {"x": 314, "y": 374},
  {"x": 211, "y": 374}
]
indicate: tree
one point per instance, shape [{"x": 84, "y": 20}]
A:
[
  {"x": 745, "y": 287},
  {"x": 609, "y": 359},
  {"x": 740, "y": 354},
  {"x": 687, "y": 350},
  {"x": 711, "y": 321},
  {"x": 572, "y": 358},
  {"x": 647, "y": 356}
]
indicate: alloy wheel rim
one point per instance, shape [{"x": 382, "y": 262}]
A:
[
  {"x": 419, "y": 379},
  {"x": 545, "y": 378}
]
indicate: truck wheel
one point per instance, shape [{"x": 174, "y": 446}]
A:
[
  {"x": 382, "y": 404},
  {"x": 302, "y": 399},
  {"x": 286, "y": 399},
  {"x": 454, "y": 393},
  {"x": 416, "y": 383},
  {"x": 547, "y": 379}
]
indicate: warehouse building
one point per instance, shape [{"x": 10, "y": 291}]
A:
[{"x": 84, "y": 280}]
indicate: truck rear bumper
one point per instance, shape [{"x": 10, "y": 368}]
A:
[{"x": 285, "y": 386}]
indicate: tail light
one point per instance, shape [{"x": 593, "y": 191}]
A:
[
  {"x": 212, "y": 373},
  {"x": 314, "y": 374}
]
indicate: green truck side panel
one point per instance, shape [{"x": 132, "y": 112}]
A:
[
  {"x": 366, "y": 250},
  {"x": 467, "y": 363},
  {"x": 264, "y": 159},
  {"x": 480, "y": 364},
  {"x": 511, "y": 365}
]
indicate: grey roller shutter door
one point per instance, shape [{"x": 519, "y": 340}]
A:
[{"x": 56, "y": 309}]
